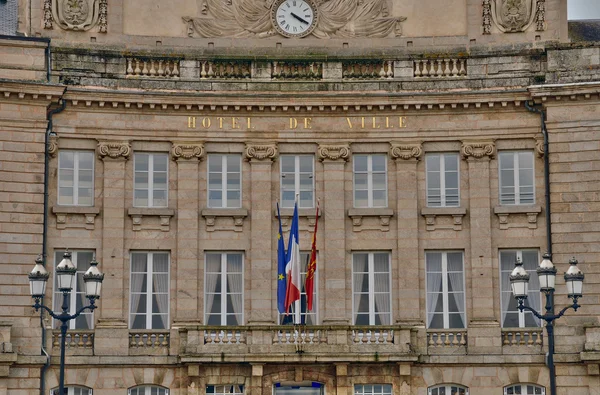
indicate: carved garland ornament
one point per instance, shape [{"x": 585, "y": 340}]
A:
[
  {"x": 261, "y": 151},
  {"x": 334, "y": 152},
  {"x": 80, "y": 15},
  {"x": 187, "y": 151},
  {"x": 478, "y": 150},
  {"x": 512, "y": 16},
  {"x": 406, "y": 151},
  {"x": 114, "y": 150}
]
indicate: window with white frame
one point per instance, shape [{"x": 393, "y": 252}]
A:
[
  {"x": 511, "y": 316},
  {"x": 76, "y": 299},
  {"x": 148, "y": 390},
  {"x": 448, "y": 389},
  {"x": 307, "y": 317},
  {"x": 371, "y": 284},
  {"x": 445, "y": 289},
  {"x": 297, "y": 177},
  {"x": 372, "y": 389},
  {"x": 442, "y": 172},
  {"x": 224, "y": 288},
  {"x": 73, "y": 390},
  {"x": 524, "y": 389},
  {"x": 229, "y": 389},
  {"x": 370, "y": 180},
  {"x": 224, "y": 181},
  {"x": 149, "y": 290},
  {"x": 150, "y": 180},
  {"x": 516, "y": 175},
  {"x": 75, "y": 178}
]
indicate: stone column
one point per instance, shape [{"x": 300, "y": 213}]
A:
[
  {"x": 259, "y": 260},
  {"x": 335, "y": 271},
  {"x": 255, "y": 387},
  {"x": 484, "y": 331},
  {"x": 187, "y": 156},
  {"x": 407, "y": 155},
  {"x": 111, "y": 332},
  {"x": 341, "y": 379}
]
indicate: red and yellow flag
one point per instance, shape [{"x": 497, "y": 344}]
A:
[{"x": 309, "y": 283}]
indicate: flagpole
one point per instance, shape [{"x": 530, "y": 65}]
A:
[{"x": 297, "y": 303}]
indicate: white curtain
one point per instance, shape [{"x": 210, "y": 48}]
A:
[
  {"x": 139, "y": 271},
  {"x": 83, "y": 264},
  {"x": 434, "y": 284},
  {"x": 382, "y": 287},
  {"x": 212, "y": 275},
  {"x": 160, "y": 286},
  {"x": 359, "y": 275},
  {"x": 455, "y": 278},
  {"x": 234, "y": 285}
]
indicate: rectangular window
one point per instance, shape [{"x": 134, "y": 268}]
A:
[
  {"x": 76, "y": 178},
  {"x": 442, "y": 180},
  {"x": 230, "y": 389},
  {"x": 516, "y": 177},
  {"x": 150, "y": 180},
  {"x": 370, "y": 181},
  {"x": 371, "y": 284},
  {"x": 297, "y": 177},
  {"x": 373, "y": 389},
  {"x": 224, "y": 288},
  {"x": 77, "y": 299},
  {"x": 149, "y": 290},
  {"x": 307, "y": 317},
  {"x": 445, "y": 290},
  {"x": 224, "y": 181},
  {"x": 511, "y": 316}
]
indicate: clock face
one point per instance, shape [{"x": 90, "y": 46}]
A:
[{"x": 294, "y": 18}]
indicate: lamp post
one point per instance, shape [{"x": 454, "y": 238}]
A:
[
  {"x": 519, "y": 279},
  {"x": 65, "y": 276}
]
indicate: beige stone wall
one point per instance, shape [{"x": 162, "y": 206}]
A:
[{"x": 23, "y": 60}]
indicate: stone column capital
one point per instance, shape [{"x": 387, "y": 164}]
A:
[
  {"x": 478, "y": 149},
  {"x": 114, "y": 150},
  {"x": 406, "y": 151},
  {"x": 187, "y": 151},
  {"x": 334, "y": 152},
  {"x": 261, "y": 151},
  {"x": 53, "y": 145}
]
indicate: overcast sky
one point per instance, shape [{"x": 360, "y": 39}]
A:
[{"x": 584, "y": 9}]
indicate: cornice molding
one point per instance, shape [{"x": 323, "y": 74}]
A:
[
  {"x": 27, "y": 90},
  {"x": 334, "y": 152},
  {"x": 114, "y": 150},
  {"x": 259, "y": 152},
  {"x": 557, "y": 92},
  {"x": 187, "y": 151},
  {"x": 406, "y": 151},
  {"x": 478, "y": 149}
]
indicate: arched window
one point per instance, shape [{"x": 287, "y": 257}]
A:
[
  {"x": 73, "y": 390},
  {"x": 148, "y": 390},
  {"x": 448, "y": 389},
  {"x": 524, "y": 389}
]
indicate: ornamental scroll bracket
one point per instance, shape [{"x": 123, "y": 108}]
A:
[
  {"x": 114, "y": 150},
  {"x": 334, "y": 152},
  {"x": 406, "y": 151},
  {"x": 261, "y": 151},
  {"x": 78, "y": 15},
  {"x": 187, "y": 151},
  {"x": 478, "y": 149}
]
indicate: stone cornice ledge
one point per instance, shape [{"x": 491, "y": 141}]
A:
[
  {"x": 517, "y": 209},
  {"x": 27, "y": 90},
  {"x": 574, "y": 91},
  {"x": 75, "y": 210},
  {"x": 220, "y": 217},
  {"x": 384, "y": 215},
  {"x": 138, "y": 213},
  {"x": 430, "y": 214},
  {"x": 505, "y": 212}
]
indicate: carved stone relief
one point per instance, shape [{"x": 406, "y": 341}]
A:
[
  {"x": 261, "y": 151},
  {"x": 337, "y": 18},
  {"x": 406, "y": 151},
  {"x": 114, "y": 150},
  {"x": 187, "y": 151},
  {"x": 512, "y": 16},
  {"x": 478, "y": 149},
  {"x": 76, "y": 14},
  {"x": 334, "y": 152}
]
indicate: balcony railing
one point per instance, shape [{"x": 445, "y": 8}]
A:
[
  {"x": 522, "y": 337},
  {"x": 75, "y": 339},
  {"x": 446, "y": 338}
]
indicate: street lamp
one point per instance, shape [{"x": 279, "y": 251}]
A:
[
  {"x": 65, "y": 276},
  {"x": 546, "y": 271}
]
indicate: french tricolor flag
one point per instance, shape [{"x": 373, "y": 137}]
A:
[{"x": 292, "y": 269}]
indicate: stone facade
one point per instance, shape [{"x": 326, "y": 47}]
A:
[{"x": 134, "y": 79}]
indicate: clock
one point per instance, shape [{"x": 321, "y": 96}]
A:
[{"x": 294, "y": 18}]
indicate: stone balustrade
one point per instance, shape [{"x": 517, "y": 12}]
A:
[
  {"x": 149, "y": 340},
  {"x": 297, "y": 70},
  {"x": 224, "y": 336},
  {"x": 75, "y": 339},
  {"x": 153, "y": 68},
  {"x": 224, "y": 69},
  {"x": 371, "y": 335},
  {"x": 522, "y": 337},
  {"x": 440, "y": 68},
  {"x": 368, "y": 69},
  {"x": 299, "y": 335},
  {"x": 446, "y": 338}
]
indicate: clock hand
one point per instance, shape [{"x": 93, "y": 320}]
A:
[{"x": 300, "y": 19}]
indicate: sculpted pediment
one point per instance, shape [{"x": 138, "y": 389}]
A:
[{"x": 260, "y": 18}]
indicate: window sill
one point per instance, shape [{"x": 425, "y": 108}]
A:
[
  {"x": 514, "y": 216},
  {"x": 224, "y": 218},
  {"x": 451, "y": 217},
  {"x": 148, "y": 218},
  {"x": 308, "y": 213},
  {"x": 370, "y": 214},
  {"x": 82, "y": 217}
]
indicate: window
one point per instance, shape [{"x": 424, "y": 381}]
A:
[
  {"x": 73, "y": 391},
  {"x": 297, "y": 178},
  {"x": 223, "y": 289},
  {"x": 224, "y": 181},
  {"x": 370, "y": 181},
  {"x": 77, "y": 299},
  {"x": 371, "y": 284},
  {"x": 150, "y": 180},
  {"x": 225, "y": 389},
  {"x": 149, "y": 290},
  {"x": 524, "y": 389},
  {"x": 445, "y": 290},
  {"x": 516, "y": 177},
  {"x": 373, "y": 389},
  {"x": 448, "y": 389},
  {"x": 511, "y": 316},
  {"x": 307, "y": 317},
  {"x": 442, "y": 180},
  {"x": 303, "y": 388},
  {"x": 76, "y": 178},
  {"x": 148, "y": 390}
]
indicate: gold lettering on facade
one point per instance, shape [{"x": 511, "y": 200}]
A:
[
  {"x": 206, "y": 122},
  {"x": 249, "y": 123},
  {"x": 235, "y": 123},
  {"x": 387, "y": 122},
  {"x": 220, "y": 119},
  {"x": 191, "y": 122},
  {"x": 375, "y": 124},
  {"x": 349, "y": 122},
  {"x": 362, "y": 122},
  {"x": 307, "y": 123},
  {"x": 293, "y": 123},
  {"x": 402, "y": 121}
]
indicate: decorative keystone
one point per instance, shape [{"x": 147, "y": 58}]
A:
[
  {"x": 406, "y": 151},
  {"x": 187, "y": 151},
  {"x": 114, "y": 149},
  {"x": 261, "y": 151},
  {"x": 334, "y": 152},
  {"x": 478, "y": 149}
]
